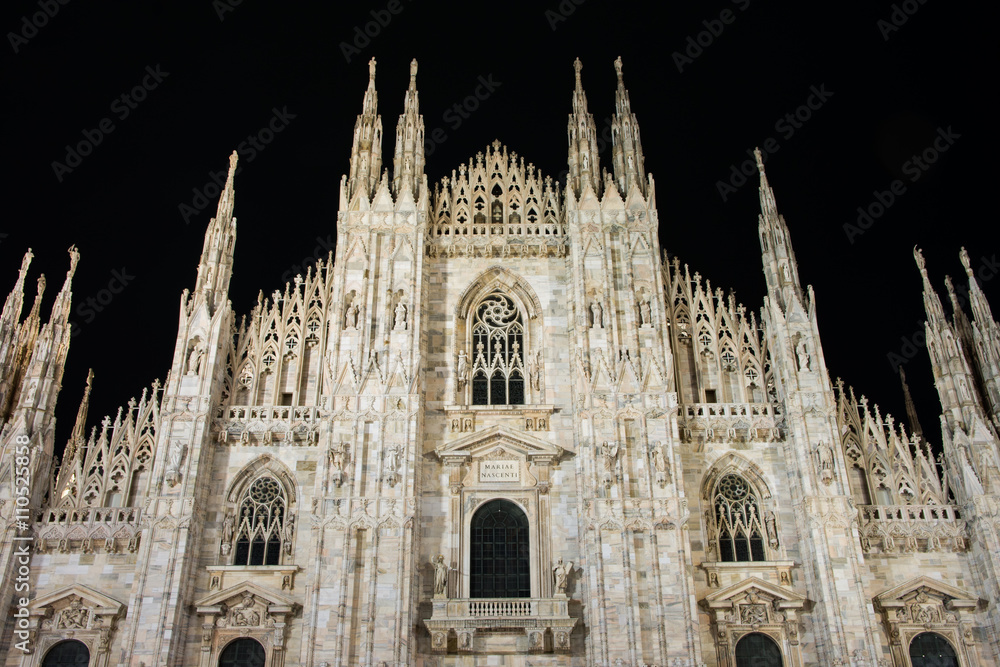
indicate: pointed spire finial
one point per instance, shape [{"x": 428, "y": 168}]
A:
[
  {"x": 911, "y": 409},
  {"x": 79, "y": 429},
  {"x": 760, "y": 160},
  {"x": 918, "y": 256}
]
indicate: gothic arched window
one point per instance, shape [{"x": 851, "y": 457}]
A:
[
  {"x": 757, "y": 650},
  {"x": 260, "y": 523},
  {"x": 498, "y": 343},
  {"x": 739, "y": 520},
  {"x": 929, "y": 649},
  {"x": 500, "y": 552},
  {"x": 67, "y": 654},
  {"x": 243, "y": 652}
]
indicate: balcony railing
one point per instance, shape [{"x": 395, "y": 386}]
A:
[
  {"x": 93, "y": 516},
  {"x": 890, "y": 529}
]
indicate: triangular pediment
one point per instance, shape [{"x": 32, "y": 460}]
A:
[
  {"x": 271, "y": 598},
  {"x": 894, "y": 596},
  {"x": 783, "y": 597},
  {"x": 482, "y": 442},
  {"x": 91, "y": 598}
]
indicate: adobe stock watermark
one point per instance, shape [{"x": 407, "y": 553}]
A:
[
  {"x": 23, "y": 539},
  {"x": 898, "y": 17},
  {"x": 697, "y": 43},
  {"x": 364, "y": 34},
  {"x": 223, "y": 7},
  {"x": 914, "y": 168},
  {"x": 562, "y": 12},
  {"x": 461, "y": 111},
  {"x": 31, "y": 24},
  {"x": 787, "y": 126},
  {"x": 122, "y": 107},
  {"x": 322, "y": 250},
  {"x": 89, "y": 308},
  {"x": 910, "y": 346},
  {"x": 248, "y": 150}
]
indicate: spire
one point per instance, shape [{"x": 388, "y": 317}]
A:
[
  {"x": 627, "y": 156},
  {"x": 408, "y": 164},
  {"x": 583, "y": 156},
  {"x": 932, "y": 303},
  {"x": 780, "y": 268},
  {"x": 911, "y": 409},
  {"x": 366, "y": 151},
  {"x": 15, "y": 300},
  {"x": 216, "y": 265},
  {"x": 79, "y": 428},
  {"x": 61, "y": 308},
  {"x": 982, "y": 314}
]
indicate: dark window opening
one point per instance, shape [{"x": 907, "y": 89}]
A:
[
  {"x": 929, "y": 649},
  {"x": 757, "y": 650},
  {"x": 500, "y": 552},
  {"x": 244, "y": 652},
  {"x": 70, "y": 653}
]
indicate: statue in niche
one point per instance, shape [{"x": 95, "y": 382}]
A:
[
  {"x": 535, "y": 371},
  {"x": 440, "y": 576},
  {"x": 645, "y": 315},
  {"x": 610, "y": 453},
  {"x": 461, "y": 374},
  {"x": 391, "y": 463},
  {"x": 286, "y": 540},
  {"x": 824, "y": 457},
  {"x": 196, "y": 358},
  {"x": 803, "y": 355},
  {"x": 560, "y": 574},
  {"x": 175, "y": 455},
  {"x": 338, "y": 457},
  {"x": 660, "y": 464},
  {"x": 352, "y": 316},
  {"x": 772, "y": 530},
  {"x": 400, "y": 324},
  {"x": 598, "y": 315},
  {"x": 228, "y": 530}
]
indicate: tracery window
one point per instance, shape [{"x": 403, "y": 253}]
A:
[
  {"x": 929, "y": 649},
  {"x": 261, "y": 523},
  {"x": 757, "y": 650},
  {"x": 738, "y": 520},
  {"x": 70, "y": 653},
  {"x": 500, "y": 552},
  {"x": 498, "y": 340},
  {"x": 244, "y": 652}
]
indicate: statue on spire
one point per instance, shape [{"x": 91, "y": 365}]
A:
[{"x": 371, "y": 69}]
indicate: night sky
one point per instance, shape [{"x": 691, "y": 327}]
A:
[{"x": 708, "y": 83}]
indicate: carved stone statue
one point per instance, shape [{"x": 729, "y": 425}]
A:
[
  {"x": 772, "y": 530},
  {"x": 228, "y": 530},
  {"x": 535, "y": 372},
  {"x": 610, "y": 453},
  {"x": 560, "y": 574},
  {"x": 400, "y": 324},
  {"x": 824, "y": 459},
  {"x": 338, "y": 457},
  {"x": 645, "y": 316},
  {"x": 74, "y": 616},
  {"x": 660, "y": 464},
  {"x": 286, "y": 540},
  {"x": 196, "y": 359},
  {"x": 598, "y": 315},
  {"x": 803, "y": 355},
  {"x": 440, "y": 576},
  {"x": 462, "y": 373},
  {"x": 175, "y": 455},
  {"x": 352, "y": 316}
]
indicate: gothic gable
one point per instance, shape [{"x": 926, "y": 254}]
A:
[{"x": 479, "y": 443}]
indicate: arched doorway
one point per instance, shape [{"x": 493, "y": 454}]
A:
[
  {"x": 757, "y": 650},
  {"x": 929, "y": 649},
  {"x": 69, "y": 653},
  {"x": 243, "y": 652},
  {"x": 499, "y": 564}
]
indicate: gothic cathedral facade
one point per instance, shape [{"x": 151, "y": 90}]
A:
[{"x": 498, "y": 427}]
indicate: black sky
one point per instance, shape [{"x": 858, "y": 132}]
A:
[{"x": 225, "y": 69}]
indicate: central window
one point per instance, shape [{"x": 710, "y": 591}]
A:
[
  {"x": 500, "y": 552},
  {"x": 498, "y": 341},
  {"x": 738, "y": 518},
  {"x": 261, "y": 522}
]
